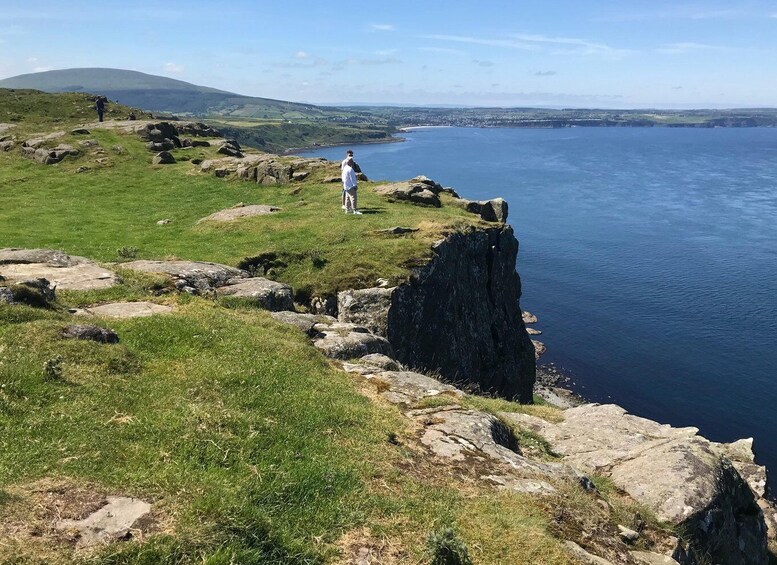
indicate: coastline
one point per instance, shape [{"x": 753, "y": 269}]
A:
[{"x": 392, "y": 139}]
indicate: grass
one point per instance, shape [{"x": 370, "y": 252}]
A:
[
  {"x": 115, "y": 206},
  {"x": 251, "y": 446}
]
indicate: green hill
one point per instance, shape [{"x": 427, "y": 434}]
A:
[{"x": 161, "y": 94}]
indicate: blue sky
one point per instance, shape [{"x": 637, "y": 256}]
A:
[{"x": 613, "y": 54}]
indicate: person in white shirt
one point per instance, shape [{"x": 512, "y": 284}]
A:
[
  {"x": 356, "y": 168},
  {"x": 350, "y": 186}
]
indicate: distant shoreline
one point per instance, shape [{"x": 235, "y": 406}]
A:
[{"x": 392, "y": 139}]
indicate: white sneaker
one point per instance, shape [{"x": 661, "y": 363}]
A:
[
  {"x": 357, "y": 212},
  {"x": 343, "y": 207},
  {"x": 347, "y": 211}
]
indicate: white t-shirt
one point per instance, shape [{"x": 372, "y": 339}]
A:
[{"x": 349, "y": 177}]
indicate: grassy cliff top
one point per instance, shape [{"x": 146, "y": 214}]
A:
[
  {"x": 251, "y": 447},
  {"x": 114, "y": 204}
]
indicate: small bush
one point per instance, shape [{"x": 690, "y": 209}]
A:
[
  {"x": 127, "y": 252},
  {"x": 446, "y": 548},
  {"x": 52, "y": 368}
]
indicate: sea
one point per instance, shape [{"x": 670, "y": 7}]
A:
[{"x": 649, "y": 256}]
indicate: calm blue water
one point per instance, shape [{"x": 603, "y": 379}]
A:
[{"x": 649, "y": 256}]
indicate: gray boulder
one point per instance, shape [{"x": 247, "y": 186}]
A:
[
  {"x": 494, "y": 210},
  {"x": 348, "y": 341},
  {"x": 303, "y": 321},
  {"x": 268, "y": 294},
  {"x": 46, "y": 156},
  {"x": 367, "y": 307},
  {"x": 684, "y": 478},
  {"x": 163, "y": 158},
  {"x": 124, "y": 310},
  {"x": 192, "y": 276},
  {"x": 66, "y": 272},
  {"x": 90, "y": 333}
]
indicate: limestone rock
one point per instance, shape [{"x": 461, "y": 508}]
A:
[
  {"x": 268, "y": 294},
  {"x": 230, "y": 214},
  {"x": 196, "y": 129},
  {"x": 125, "y": 310},
  {"x": 348, "y": 341},
  {"x": 304, "y": 322},
  {"x": 650, "y": 558},
  {"x": 528, "y": 486},
  {"x": 192, "y": 276},
  {"x": 381, "y": 361},
  {"x": 684, "y": 478},
  {"x": 90, "y": 333},
  {"x": 112, "y": 522},
  {"x": 65, "y": 272},
  {"x": 494, "y": 210},
  {"x": 528, "y": 318},
  {"x": 404, "y": 387},
  {"x": 367, "y": 307},
  {"x": 539, "y": 348},
  {"x": 583, "y": 556},
  {"x": 413, "y": 191}
]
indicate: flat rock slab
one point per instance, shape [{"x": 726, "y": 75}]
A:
[
  {"x": 303, "y": 321},
  {"x": 125, "y": 310},
  {"x": 268, "y": 294},
  {"x": 80, "y": 277},
  {"x": 191, "y": 275},
  {"x": 404, "y": 387},
  {"x": 348, "y": 341},
  {"x": 230, "y": 214},
  {"x": 51, "y": 257},
  {"x": 111, "y": 522},
  {"x": 681, "y": 476}
]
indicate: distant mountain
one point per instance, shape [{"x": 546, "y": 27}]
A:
[{"x": 162, "y": 94}]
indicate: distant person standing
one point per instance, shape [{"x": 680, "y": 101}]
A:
[
  {"x": 99, "y": 105},
  {"x": 350, "y": 186},
  {"x": 357, "y": 169}
]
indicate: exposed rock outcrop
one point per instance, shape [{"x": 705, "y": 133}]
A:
[
  {"x": 239, "y": 211},
  {"x": 65, "y": 272},
  {"x": 684, "y": 478},
  {"x": 459, "y": 315},
  {"x": 265, "y": 293},
  {"x": 90, "y": 333},
  {"x": 124, "y": 310},
  {"x": 110, "y": 523},
  {"x": 191, "y": 276}
]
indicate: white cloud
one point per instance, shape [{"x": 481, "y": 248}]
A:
[
  {"x": 687, "y": 47},
  {"x": 545, "y": 73},
  {"x": 301, "y": 55},
  {"x": 42, "y": 69},
  {"x": 532, "y": 42},
  {"x": 173, "y": 68},
  {"x": 383, "y": 27}
]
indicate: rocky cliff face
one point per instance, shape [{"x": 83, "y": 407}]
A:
[{"x": 458, "y": 315}]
